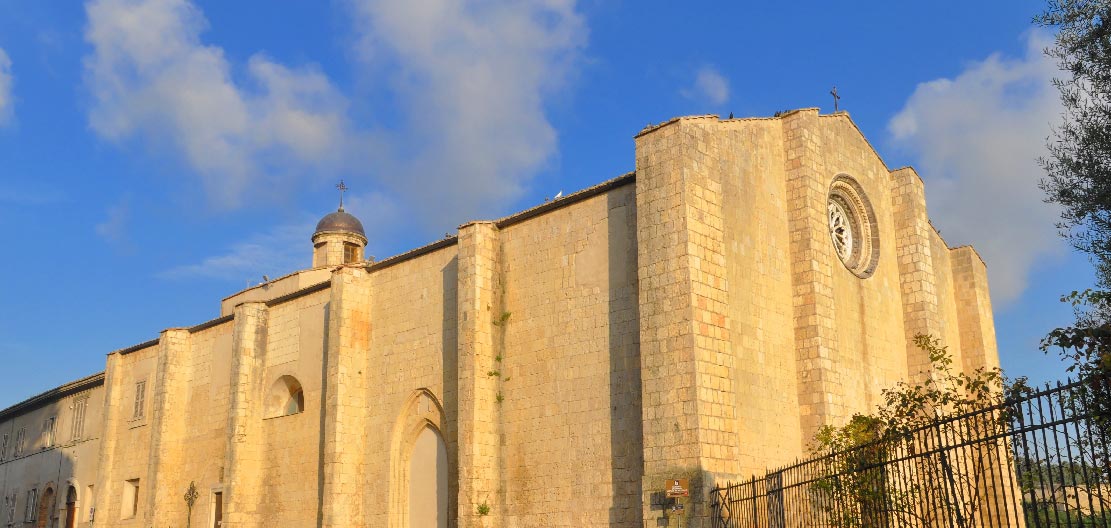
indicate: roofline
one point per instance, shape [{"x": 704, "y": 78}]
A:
[
  {"x": 56, "y": 393},
  {"x": 570, "y": 199}
]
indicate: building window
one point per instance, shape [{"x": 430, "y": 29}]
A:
[
  {"x": 140, "y": 399},
  {"x": 130, "y": 504},
  {"x": 286, "y": 397},
  {"x": 20, "y": 437},
  {"x": 4, "y": 449},
  {"x": 79, "y": 407},
  {"x": 350, "y": 252},
  {"x": 48, "y": 432},
  {"x": 852, "y": 226},
  {"x": 32, "y": 496},
  {"x": 9, "y": 506}
]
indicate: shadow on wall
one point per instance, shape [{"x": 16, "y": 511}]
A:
[
  {"x": 41, "y": 490},
  {"x": 626, "y": 438},
  {"x": 450, "y": 401}
]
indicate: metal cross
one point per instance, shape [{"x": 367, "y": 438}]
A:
[
  {"x": 836, "y": 98},
  {"x": 342, "y": 188}
]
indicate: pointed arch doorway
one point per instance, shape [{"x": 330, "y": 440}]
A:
[
  {"x": 428, "y": 480},
  {"x": 423, "y": 459}
]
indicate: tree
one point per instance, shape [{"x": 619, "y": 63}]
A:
[
  {"x": 1078, "y": 166},
  {"x": 858, "y": 490}
]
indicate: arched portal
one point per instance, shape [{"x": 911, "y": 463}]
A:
[
  {"x": 422, "y": 465},
  {"x": 46, "y": 509},
  {"x": 71, "y": 507},
  {"x": 428, "y": 479}
]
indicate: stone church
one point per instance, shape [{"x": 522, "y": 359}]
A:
[{"x": 700, "y": 317}]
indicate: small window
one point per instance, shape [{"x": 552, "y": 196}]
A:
[
  {"x": 20, "y": 437},
  {"x": 140, "y": 400},
  {"x": 32, "y": 496},
  {"x": 9, "y": 507},
  {"x": 130, "y": 504},
  {"x": 78, "y": 429},
  {"x": 48, "y": 432},
  {"x": 350, "y": 253},
  {"x": 286, "y": 397},
  {"x": 4, "y": 449}
]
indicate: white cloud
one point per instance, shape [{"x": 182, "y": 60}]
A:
[
  {"x": 473, "y": 77},
  {"x": 709, "y": 86},
  {"x": 279, "y": 251},
  {"x": 5, "y": 88},
  {"x": 114, "y": 227},
  {"x": 150, "y": 76},
  {"x": 288, "y": 247},
  {"x": 977, "y": 137}
]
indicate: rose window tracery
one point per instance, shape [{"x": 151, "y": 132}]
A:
[
  {"x": 852, "y": 226},
  {"x": 840, "y": 230}
]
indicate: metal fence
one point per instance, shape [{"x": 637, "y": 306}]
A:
[{"x": 1039, "y": 460}]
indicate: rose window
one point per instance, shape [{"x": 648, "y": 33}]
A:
[{"x": 852, "y": 227}]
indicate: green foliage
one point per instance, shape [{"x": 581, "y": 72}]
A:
[
  {"x": 483, "y": 509},
  {"x": 1078, "y": 166},
  {"x": 494, "y": 373},
  {"x": 1086, "y": 345},
  {"x": 503, "y": 319},
  {"x": 499, "y": 397},
  {"x": 859, "y": 493}
]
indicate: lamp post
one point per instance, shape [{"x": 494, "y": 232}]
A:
[{"x": 190, "y": 498}]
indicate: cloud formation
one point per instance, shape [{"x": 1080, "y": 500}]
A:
[
  {"x": 114, "y": 228},
  {"x": 6, "y": 103},
  {"x": 977, "y": 137},
  {"x": 150, "y": 76},
  {"x": 709, "y": 86},
  {"x": 285, "y": 248},
  {"x": 473, "y": 78}
]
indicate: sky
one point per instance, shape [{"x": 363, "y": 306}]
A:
[{"x": 159, "y": 155}]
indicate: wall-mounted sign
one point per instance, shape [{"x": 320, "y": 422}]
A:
[{"x": 677, "y": 488}]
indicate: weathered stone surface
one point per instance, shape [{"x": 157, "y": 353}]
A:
[{"x": 692, "y": 320}]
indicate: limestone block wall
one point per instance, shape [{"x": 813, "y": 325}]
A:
[
  {"x": 570, "y": 368},
  {"x": 291, "y": 443},
  {"x": 758, "y": 244},
  {"x": 411, "y": 377},
  {"x": 737, "y": 210},
  {"x": 125, "y": 446}
]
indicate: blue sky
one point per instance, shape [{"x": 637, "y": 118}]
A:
[{"x": 158, "y": 155}]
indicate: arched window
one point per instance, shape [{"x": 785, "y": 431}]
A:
[{"x": 286, "y": 397}]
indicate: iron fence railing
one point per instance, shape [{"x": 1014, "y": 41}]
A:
[{"x": 1039, "y": 460}]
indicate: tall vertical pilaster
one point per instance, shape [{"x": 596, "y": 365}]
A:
[
  {"x": 974, "y": 314},
  {"x": 479, "y": 308},
  {"x": 687, "y": 362},
  {"x": 345, "y": 407},
  {"x": 821, "y": 393},
  {"x": 113, "y": 414},
  {"x": 170, "y": 397},
  {"x": 242, "y": 476},
  {"x": 917, "y": 277}
]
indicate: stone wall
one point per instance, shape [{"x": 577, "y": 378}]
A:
[{"x": 693, "y": 320}]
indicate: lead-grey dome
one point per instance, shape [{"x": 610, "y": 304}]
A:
[{"x": 340, "y": 221}]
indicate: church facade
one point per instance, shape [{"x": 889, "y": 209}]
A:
[{"x": 698, "y": 318}]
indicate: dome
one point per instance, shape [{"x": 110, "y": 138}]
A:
[{"x": 340, "y": 221}]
